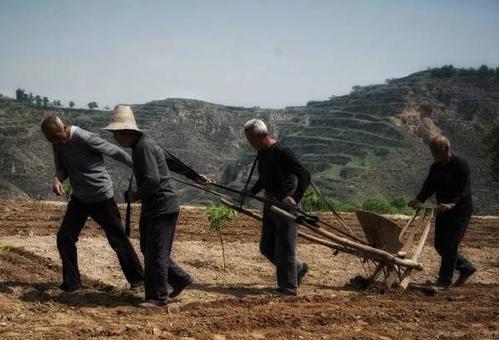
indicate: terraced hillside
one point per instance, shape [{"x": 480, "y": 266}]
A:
[
  {"x": 400, "y": 117},
  {"x": 204, "y": 135},
  {"x": 370, "y": 142},
  {"x": 24, "y": 160},
  {"x": 373, "y": 141}
]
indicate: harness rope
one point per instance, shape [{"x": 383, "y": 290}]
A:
[
  {"x": 302, "y": 215},
  {"x": 248, "y": 180},
  {"x": 128, "y": 214}
]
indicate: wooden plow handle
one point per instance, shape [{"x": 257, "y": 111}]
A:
[
  {"x": 367, "y": 251},
  {"x": 426, "y": 211},
  {"x": 335, "y": 242}
]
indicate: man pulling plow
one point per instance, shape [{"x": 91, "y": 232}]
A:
[
  {"x": 394, "y": 250},
  {"x": 284, "y": 180}
]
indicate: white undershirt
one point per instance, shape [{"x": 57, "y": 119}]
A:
[{"x": 71, "y": 132}]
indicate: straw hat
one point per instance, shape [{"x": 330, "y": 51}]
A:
[{"x": 123, "y": 119}]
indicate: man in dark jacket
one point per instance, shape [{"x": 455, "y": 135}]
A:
[
  {"x": 284, "y": 180},
  {"x": 160, "y": 207},
  {"x": 449, "y": 180}
]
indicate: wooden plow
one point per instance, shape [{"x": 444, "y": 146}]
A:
[{"x": 394, "y": 250}]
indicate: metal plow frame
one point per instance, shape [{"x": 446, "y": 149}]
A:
[{"x": 396, "y": 268}]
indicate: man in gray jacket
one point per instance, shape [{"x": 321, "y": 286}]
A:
[{"x": 78, "y": 156}]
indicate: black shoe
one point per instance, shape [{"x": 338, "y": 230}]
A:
[
  {"x": 434, "y": 283},
  {"x": 178, "y": 289},
  {"x": 287, "y": 291},
  {"x": 440, "y": 287},
  {"x": 302, "y": 273},
  {"x": 463, "y": 277},
  {"x": 149, "y": 303},
  {"x": 137, "y": 286},
  {"x": 69, "y": 289}
]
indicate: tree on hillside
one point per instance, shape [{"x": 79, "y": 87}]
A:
[
  {"x": 467, "y": 71},
  {"x": 445, "y": 71},
  {"x": 71, "y": 104},
  {"x": 448, "y": 71},
  {"x": 45, "y": 101},
  {"x": 38, "y": 100},
  {"x": 491, "y": 142},
  {"x": 21, "y": 95},
  {"x": 92, "y": 105},
  {"x": 485, "y": 71},
  {"x": 30, "y": 98}
]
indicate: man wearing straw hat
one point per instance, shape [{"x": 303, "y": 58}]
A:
[
  {"x": 79, "y": 156},
  {"x": 160, "y": 207}
]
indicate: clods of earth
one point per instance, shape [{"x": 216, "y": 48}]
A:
[{"x": 236, "y": 303}]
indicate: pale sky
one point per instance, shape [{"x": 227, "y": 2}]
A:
[{"x": 248, "y": 53}]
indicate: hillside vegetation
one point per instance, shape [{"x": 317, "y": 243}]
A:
[{"x": 370, "y": 143}]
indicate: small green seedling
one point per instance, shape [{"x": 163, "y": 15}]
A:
[
  {"x": 218, "y": 215},
  {"x": 3, "y": 247}
]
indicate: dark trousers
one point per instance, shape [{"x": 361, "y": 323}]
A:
[
  {"x": 278, "y": 245},
  {"x": 107, "y": 215},
  {"x": 156, "y": 239},
  {"x": 449, "y": 231}
]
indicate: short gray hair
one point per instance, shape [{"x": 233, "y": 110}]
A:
[
  {"x": 50, "y": 122},
  {"x": 256, "y": 126},
  {"x": 440, "y": 142}
]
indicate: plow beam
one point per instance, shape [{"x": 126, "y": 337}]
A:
[{"x": 302, "y": 234}]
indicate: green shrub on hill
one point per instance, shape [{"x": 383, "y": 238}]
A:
[
  {"x": 312, "y": 202},
  {"x": 448, "y": 71},
  {"x": 381, "y": 205}
]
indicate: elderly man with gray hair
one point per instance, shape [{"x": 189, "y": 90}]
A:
[
  {"x": 449, "y": 180},
  {"x": 284, "y": 180},
  {"x": 79, "y": 156}
]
